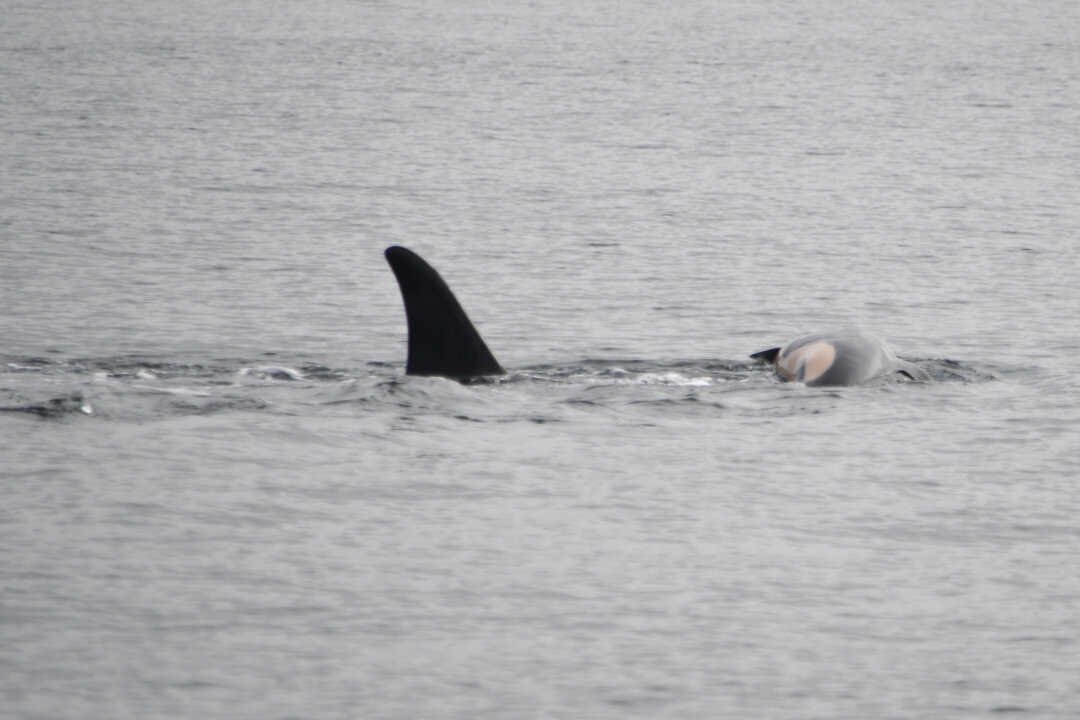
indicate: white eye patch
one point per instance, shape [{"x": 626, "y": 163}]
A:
[{"x": 813, "y": 360}]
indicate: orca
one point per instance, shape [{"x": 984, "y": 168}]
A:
[
  {"x": 842, "y": 357},
  {"x": 442, "y": 340}
]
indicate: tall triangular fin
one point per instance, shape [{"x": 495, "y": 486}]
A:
[{"x": 442, "y": 340}]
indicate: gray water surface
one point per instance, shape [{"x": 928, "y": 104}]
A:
[{"x": 223, "y": 498}]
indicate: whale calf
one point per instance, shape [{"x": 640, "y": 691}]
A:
[
  {"x": 444, "y": 342},
  {"x": 842, "y": 357}
]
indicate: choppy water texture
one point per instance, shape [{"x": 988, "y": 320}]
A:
[{"x": 222, "y": 498}]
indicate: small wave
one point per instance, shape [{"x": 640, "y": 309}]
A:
[
  {"x": 945, "y": 370},
  {"x": 687, "y": 373},
  {"x": 216, "y": 405},
  {"x": 670, "y": 378},
  {"x": 15, "y": 367},
  {"x": 268, "y": 372},
  {"x": 54, "y": 407}
]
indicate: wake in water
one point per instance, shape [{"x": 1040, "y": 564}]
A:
[
  {"x": 450, "y": 369},
  {"x": 141, "y": 388}
]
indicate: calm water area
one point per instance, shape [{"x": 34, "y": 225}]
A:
[{"x": 222, "y": 497}]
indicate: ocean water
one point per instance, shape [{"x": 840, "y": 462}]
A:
[{"x": 223, "y": 498}]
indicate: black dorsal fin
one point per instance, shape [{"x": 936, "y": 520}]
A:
[
  {"x": 768, "y": 356},
  {"x": 442, "y": 340}
]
